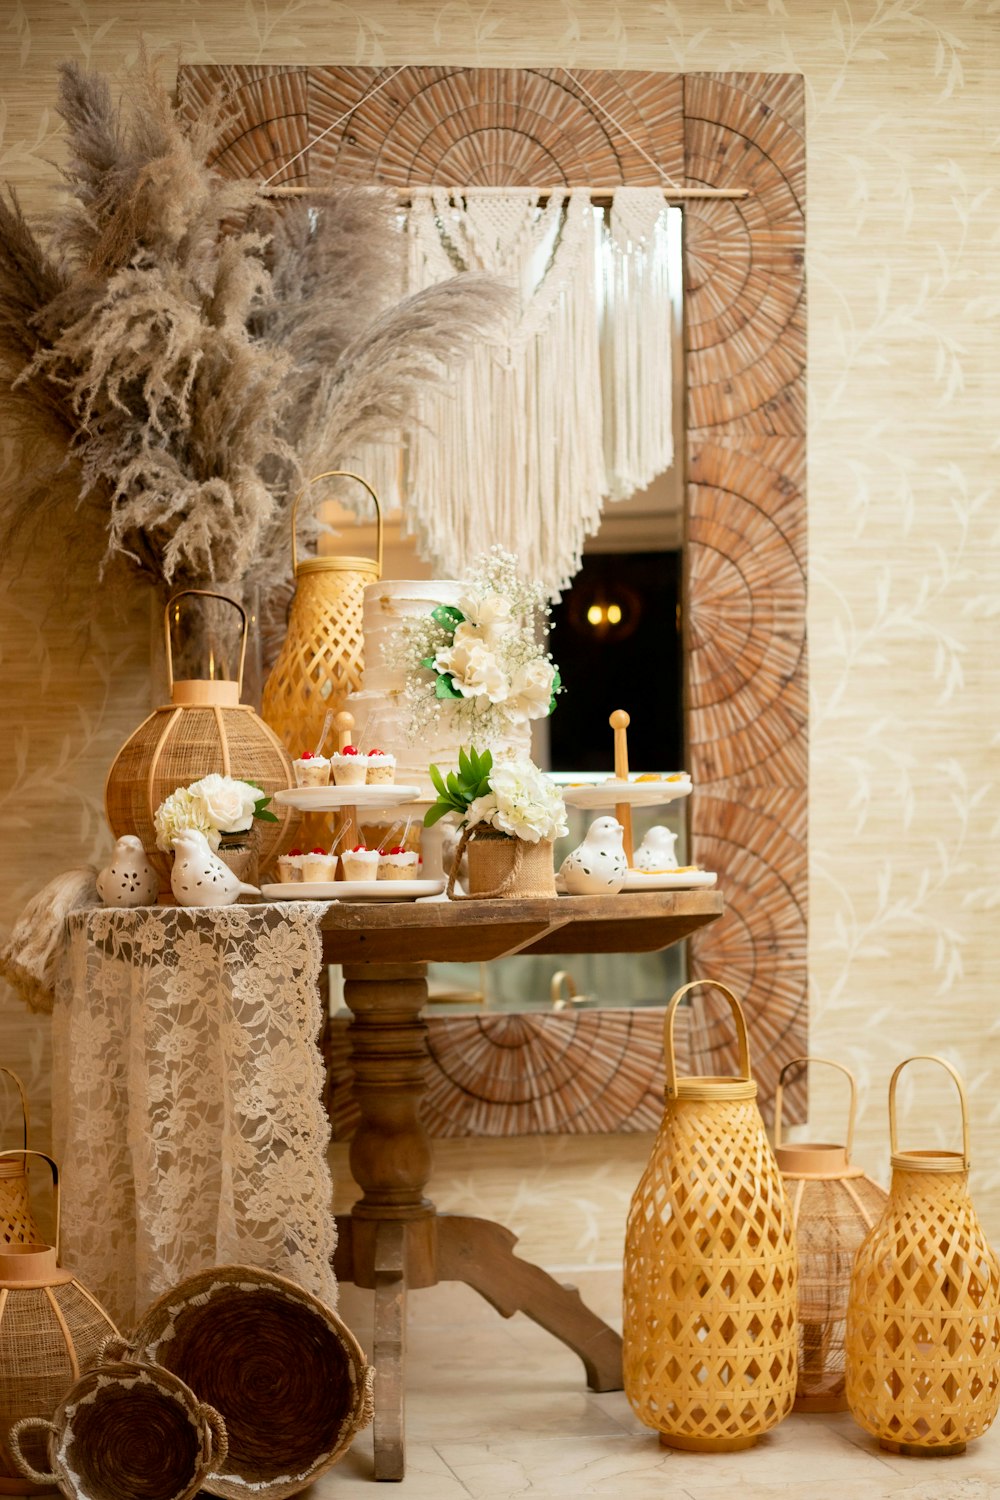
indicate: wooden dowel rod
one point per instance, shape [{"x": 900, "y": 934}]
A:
[
  {"x": 619, "y": 722},
  {"x": 601, "y": 197}
]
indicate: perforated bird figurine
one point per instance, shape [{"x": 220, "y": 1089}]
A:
[
  {"x": 129, "y": 880},
  {"x": 199, "y": 877},
  {"x": 656, "y": 852},
  {"x": 598, "y": 866}
]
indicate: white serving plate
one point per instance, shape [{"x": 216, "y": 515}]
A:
[
  {"x": 670, "y": 880},
  {"x": 330, "y": 798},
  {"x": 352, "y": 890},
  {"x": 635, "y": 793}
]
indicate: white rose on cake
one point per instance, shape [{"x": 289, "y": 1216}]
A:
[
  {"x": 228, "y": 803},
  {"x": 531, "y": 690},
  {"x": 489, "y": 614},
  {"x": 474, "y": 669}
]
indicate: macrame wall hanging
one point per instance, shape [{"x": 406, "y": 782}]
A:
[{"x": 568, "y": 404}]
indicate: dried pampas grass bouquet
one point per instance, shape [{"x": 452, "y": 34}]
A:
[{"x": 176, "y": 352}]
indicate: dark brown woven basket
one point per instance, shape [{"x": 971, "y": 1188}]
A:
[
  {"x": 126, "y": 1432},
  {"x": 289, "y": 1378}
]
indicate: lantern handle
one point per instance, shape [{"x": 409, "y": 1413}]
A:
[
  {"x": 963, "y": 1101},
  {"x": 338, "y": 474},
  {"x": 24, "y": 1101},
  {"x": 205, "y": 594},
  {"x": 829, "y": 1063},
  {"x": 668, "y": 1030},
  {"x": 55, "y": 1185}
]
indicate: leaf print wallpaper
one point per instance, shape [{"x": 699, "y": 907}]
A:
[{"x": 903, "y": 260}]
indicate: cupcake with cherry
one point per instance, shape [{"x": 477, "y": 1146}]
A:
[
  {"x": 319, "y": 865},
  {"x": 290, "y": 866},
  {"x": 381, "y": 768},
  {"x": 360, "y": 863},
  {"x": 350, "y": 767},
  {"x": 398, "y": 863},
  {"x": 311, "y": 769}
]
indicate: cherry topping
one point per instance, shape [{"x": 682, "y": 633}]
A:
[
  {"x": 376, "y": 752},
  {"x": 349, "y": 750},
  {"x": 399, "y": 849},
  {"x": 294, "y": 853},
  {"x": 307, "y": 755},
  {"x": 317, "y": 851},
  {"x": 360, "y": 849}
]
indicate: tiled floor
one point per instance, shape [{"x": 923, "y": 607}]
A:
[{"x": 497, "y": 1408}]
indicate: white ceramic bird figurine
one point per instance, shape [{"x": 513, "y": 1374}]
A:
[
  {"x": 129, "y": 879},
  {"x": 199, "y": 877},
  {"x": 598, "y": 866},
  {"x": 656, "y": 852}
]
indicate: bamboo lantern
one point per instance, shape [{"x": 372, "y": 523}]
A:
[
  {"x": 204, "y": 728},
  {"x": 834, "y": 1205},
  {"x": 321, "y": 661},
  {"x": 51, "y": 1327},
  {"x": 17, "y": 1224},
  {"x": 709, "y": 1297},
  {"x": 923, "y": 1316}
]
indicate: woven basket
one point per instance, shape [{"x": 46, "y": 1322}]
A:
[
  {"x": 17, "y": 1225},
  {"x": 321, "y": 660},
  {"x": 204, "y": 728},
  {"x": 709, "y": 1296},
  {"x": 51, "y": 1328},
  {"x": 501, "y": 866},
  {"x": 126, "y": 1432},
  {"x": 834, "y": 1205},
  {"x": 288, "y": 1377},
  {"x": 923, "y": 1315}
]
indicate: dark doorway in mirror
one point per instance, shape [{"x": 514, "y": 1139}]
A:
[{"x": 617, "y": 641}]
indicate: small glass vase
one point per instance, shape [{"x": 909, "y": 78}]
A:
[{"x": 241, "y": 852}]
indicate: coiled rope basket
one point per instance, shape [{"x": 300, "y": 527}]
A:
[{"x": 287, "y": 1376}]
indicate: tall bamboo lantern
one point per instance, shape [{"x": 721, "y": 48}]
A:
[
  {"x": 321, "y": 661},
  {"x": 709, "y": 1297},
  {"x": 834, "y": 1205},
  {"x": 923, "y": 1315},
  {"x": 204, "y": 728}
]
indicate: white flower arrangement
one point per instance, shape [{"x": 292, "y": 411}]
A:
[
  {"x": 487, "y": 658},
  {"x": 513, "y": 796},
  {"x": 214, "y": 806}
]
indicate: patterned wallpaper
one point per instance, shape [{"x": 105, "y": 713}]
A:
[{"x": 904, "y": 225}]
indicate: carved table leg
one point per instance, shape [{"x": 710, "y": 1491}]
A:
[
  {"x": 389, "y": 1351},
  {"x": 481, "y": 1253}
]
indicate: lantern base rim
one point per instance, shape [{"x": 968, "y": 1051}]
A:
[
  {"x": 706, "y": 1444},
  {"x": 922, "y": 1450}
]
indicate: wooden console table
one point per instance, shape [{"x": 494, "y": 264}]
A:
[{"x": 394, "y": 1239}]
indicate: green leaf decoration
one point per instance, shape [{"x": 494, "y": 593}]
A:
[
  {"x": 447, "y": 617},
  {"x": 443, "y": 687},
  {"x": 266, "y": 817},
  {"x": 465, "y": 766},
  {"x": 438, "y": 810},
  {"x": 438, "y": 780},
  {"x": 428, "y": 662}
]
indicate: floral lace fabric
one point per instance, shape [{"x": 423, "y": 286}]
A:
[{"x": 187, "y": 1099}]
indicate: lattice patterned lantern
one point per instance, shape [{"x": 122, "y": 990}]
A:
[
  {"x": 51, "y": 1327},
  {"x": 923, "y": 1316},
  {"x": 17, "y": 1224},
  {"x": 204, "y": 728},
  {"x": 834, "y": 1205},
  {"x": 709, "y": 1299},
  {"x": 322, "y": 660}
]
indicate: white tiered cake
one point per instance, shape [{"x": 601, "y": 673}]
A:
[{"x": 379, "y": 709}]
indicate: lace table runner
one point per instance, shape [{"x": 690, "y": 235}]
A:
[{"x": 187, "y": 1098}]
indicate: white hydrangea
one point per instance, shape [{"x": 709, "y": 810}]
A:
[
  {"x": 179, "y": 812},
  {"x": 522, "y": 801}
]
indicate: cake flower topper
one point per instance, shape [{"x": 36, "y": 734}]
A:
[{"x": 487, "y": 657}]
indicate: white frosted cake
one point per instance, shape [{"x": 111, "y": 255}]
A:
[{"x": 380, "y": 712}]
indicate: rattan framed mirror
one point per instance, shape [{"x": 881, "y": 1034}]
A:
[{"x": 745, "y": 545}]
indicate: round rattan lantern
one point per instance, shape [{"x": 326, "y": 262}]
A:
[
  {"x": 204, "y": 728},
  {"x": 709, "y": 1297},
  {"x": 923, "y": 1315},
  {"x": 321, "y": 660},
  {"x": 51, "y": 1327},
  {"x": 287, "y": 1376},
  {"x": 17, "y": 1223},
  {"x": 834, "y": 1205}
]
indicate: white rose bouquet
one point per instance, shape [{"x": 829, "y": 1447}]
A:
[
  {"x": 215, "y": 806},
  {"x": 486, "y": 658},
  {"x": 513, "y": 797}
]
